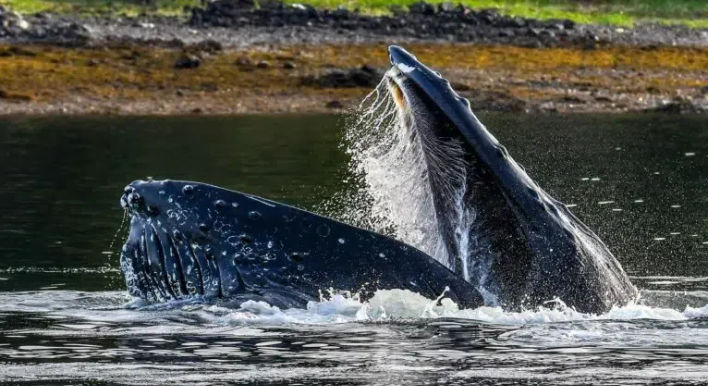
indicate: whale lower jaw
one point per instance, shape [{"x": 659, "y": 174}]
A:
[{"x": 193, "y": 240}]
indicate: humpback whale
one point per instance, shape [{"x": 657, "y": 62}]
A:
[
  {"x": 499, "y": 229},
  {"x": 190, "y": 239},
  {"x": 500, "y": 233}
]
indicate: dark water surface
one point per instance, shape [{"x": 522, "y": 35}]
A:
[{"x": 640, "y": 181}]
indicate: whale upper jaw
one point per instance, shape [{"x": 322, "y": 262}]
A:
[{"x": 526, "y": 246}]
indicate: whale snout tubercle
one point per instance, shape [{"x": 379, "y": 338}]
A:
[
  {"x": 134, "y": 200},
  {"x": 130, "y": 199}
]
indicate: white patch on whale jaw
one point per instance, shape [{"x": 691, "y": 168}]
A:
[{"x": 406, "y": 69}]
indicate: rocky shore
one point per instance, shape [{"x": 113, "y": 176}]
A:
[
  {"x": 239, "y": 23},
  {"x": 204, "y": 61}
]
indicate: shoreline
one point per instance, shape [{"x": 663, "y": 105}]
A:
[
  {"x": 314, "y": 61},
  {"x": 132, "y": 80},
  {"x": 138, "y": 79}
]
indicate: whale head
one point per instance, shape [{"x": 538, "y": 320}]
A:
[
  {"x": 501, "y": 231},
  {"x": 193, "y": 240},
  {"x": 176, "y": 230}
]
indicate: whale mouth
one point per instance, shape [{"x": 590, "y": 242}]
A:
[
  {"x": 472, "y": 210},
  {"x": 169, "y": 253},
  {"x": 478, "y": 216},
  {"x": 477, "y": 211},
  {"x": 154, "y": 263},
  {"x": 190, "y": 239}
]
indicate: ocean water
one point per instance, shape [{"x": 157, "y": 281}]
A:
[{"x": 638, "y": 180}]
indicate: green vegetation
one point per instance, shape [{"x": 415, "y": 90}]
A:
[
  {"x": 692, "y": 13},
  {"x": 118, "y": 7},
  {"x": 613, "y": 12}
]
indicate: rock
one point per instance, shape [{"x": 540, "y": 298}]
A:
[
  {"x": 16, "y": 51},
  {"x": 365, "y": 76},
  {"x": 221, "y": 12},
  {"x": 446, "y": 6},
  {"x": 234, "y": 4},
  {"x": 188, "y": 61},
  {"x": 244, "y": 61},
  {"x": 421, "y": 7},
  {"x": 507, "y": 33},
  {"x": 13, "y": 22},
  {"x": 210, "y": 87},
  {"x": 145, "y": 25},
  {"x": 288, "y": 65},
  {"x": 572, "y": 99},
  {"x": 442, "y": 20},
  {"x": 74, "y": 31},
  {"x": 334, "y": 104},
  {"x": 305, "y": 10},
  {"x": 209, "y": 46},
  {"x": 22, "y": 23},
  {"x": 341, "y": 13},
  {"x": 489, "y": 16},
  {"x": 396, "y": 10},
  {"x": 678, "y": 106},
  {"x": 460, "y": 86},
  {"x": 462, "y": 10},
  {"x": 555, "y": 24},
  {"x": 271, "y": 4},
  {"x": 514, "y": 22},
  {"x": 12, "y": 96},
  {"x": 263, "y": 64},
  {"x": 44, "y": 16}
]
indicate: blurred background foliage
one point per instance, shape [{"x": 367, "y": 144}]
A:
[{"x": 693, "y": 13}]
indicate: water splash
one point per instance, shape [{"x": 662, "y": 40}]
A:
[
  {"x": 396, "y": 337},
  {"x": 394, "y": 161},
  {"x": 385, "y": 159},
  {"x": 385, "y": 306}
]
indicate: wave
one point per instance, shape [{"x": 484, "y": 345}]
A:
[{"x": 396, "y": 306}]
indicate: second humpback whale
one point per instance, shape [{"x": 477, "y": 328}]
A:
[{"x": 501, "y": 233}]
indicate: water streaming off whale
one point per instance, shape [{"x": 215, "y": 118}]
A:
[
  {"x": 432, "y": 174},
  {"x": 392, "y": 176}
]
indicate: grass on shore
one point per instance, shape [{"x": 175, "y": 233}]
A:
[
  {"x": 612, "y": 12},
  {"x": 121, "y": 7},
  {"x": 692, "y": 13}
]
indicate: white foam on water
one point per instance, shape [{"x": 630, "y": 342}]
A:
[
  {"x": 386, "y": 305},
  {"x": 395, "y": 337}
]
